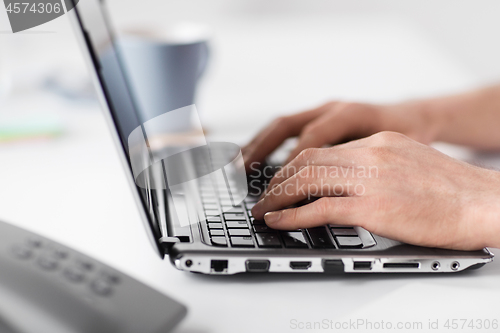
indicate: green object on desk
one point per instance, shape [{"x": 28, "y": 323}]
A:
[{"x": 27, "y": 130}]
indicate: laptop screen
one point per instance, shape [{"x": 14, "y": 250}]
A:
[
  {"x": 94, "y": 25},
  {"x": 165, "y": 166}
]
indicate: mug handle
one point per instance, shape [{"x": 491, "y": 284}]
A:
[{"x": 205, "y": 54}]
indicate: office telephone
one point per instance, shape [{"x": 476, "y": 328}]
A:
[{"x": 46, "y": 287}]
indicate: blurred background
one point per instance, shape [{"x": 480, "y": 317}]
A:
[
  {"x": 282, "y": 56},
  {"x": 267, "y": 58},
  {"x": 60, "y": 175}
]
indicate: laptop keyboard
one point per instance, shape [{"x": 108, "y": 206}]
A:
[{"x": 228, "y": 225}]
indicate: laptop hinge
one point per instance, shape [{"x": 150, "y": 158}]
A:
[{"x": 168, "y": 242}]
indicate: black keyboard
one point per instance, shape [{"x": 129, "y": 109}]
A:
[{"x": 230, "y": 225}]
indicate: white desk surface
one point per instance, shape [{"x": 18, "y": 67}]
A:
[{"x": 72, "y": 189}]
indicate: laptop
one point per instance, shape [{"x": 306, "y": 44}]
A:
[{"x": 196, "y": 210}]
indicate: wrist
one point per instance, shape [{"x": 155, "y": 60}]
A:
[
  {"x": 434, "y": 114},
  {"x": 423, "y": 120},
  {"x": 484, "y": 212}
]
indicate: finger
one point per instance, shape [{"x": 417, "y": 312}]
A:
[
  {"x": 272, "y": 136},
  {"x": 335, "y": 156},
  {"x": 346, "y": 120},
  {"x": 327, "y": 210},
  {"x": 311, "y": 182},
  {"x": 306, "y": 116},
  {"x": 314, "y": 138}
]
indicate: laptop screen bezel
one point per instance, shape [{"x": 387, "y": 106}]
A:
[{"x": 86, "y": 42}]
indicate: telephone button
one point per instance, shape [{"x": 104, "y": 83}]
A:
[
  {"x": 22, "y": 252},
  {"x": 47, "y": 263},
  {"x": 101, "y": 287},
  {"x": 74, "y": 274}
]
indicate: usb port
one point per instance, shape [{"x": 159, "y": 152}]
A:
[{"x": 362, "y": 265}]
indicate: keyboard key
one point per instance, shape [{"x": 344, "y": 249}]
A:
[
  {"x": 239, "y": 232},
  {"x": 214, "y": 219},
  {"x": 235, "y": 217},
  {"x": 349, "y": 242},
  {"x": 250, "y": 205},
  {"x": 268, "y": 239},
  {"x": 212, "y": 212},
  {"x": 249, "y": 212},
  {"x": 209, "y": 200},
  {"x": 225, "y": 197},
  {"x": 219, "y": 241},
  {"x": 344, "y": 232},
  {"x": 294, "y": 239},
  {"x": 215, "y": 225},
  {"x": 254, "y": 221},
  {"x": 320, "y": 238},
  {"x": 207, "y": 188},
  {"x": 232, "y": 209},
  {"x": 213, "y": 206},
  {"x": 216, "y": 232},
  {"x": 226, "y": 202},
  {"x": 262, "y": 228},
  {"x": 251, "y": 198},
  {"x": 339, "y": 226},
  {"x": 236, "y": 224},
  {"x": 207, "y": 194},
  {"x": 242, "y": 241}
]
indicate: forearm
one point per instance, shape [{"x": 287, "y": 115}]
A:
[{"x": 471, "y": 119}]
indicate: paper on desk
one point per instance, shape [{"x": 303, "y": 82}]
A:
[
  {"x": 427, "y": 303},
  {"x": 27, "y": 129}
]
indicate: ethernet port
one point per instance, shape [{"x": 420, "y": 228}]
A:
[{"x": 218, "y": 266}]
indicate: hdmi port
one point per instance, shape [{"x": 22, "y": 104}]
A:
[{"x": 300, "y": 264}]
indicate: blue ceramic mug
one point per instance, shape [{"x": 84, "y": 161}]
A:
[{"x": 164, "y": 70}]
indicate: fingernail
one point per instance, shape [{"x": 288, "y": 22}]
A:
[{"x": 272, "y": 217}]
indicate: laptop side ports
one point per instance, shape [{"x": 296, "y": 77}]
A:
[
  {"x": 218, "y": 266},
  {"x": 300, "y": 265},
  {"x": 405, "y": 265},
  {"x": 333, "y": 266},
  {"x": 362, "y": 265},
  {"x": 257, "y": 266}
]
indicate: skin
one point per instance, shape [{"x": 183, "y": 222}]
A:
[{"x": 417, "y": 195}]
